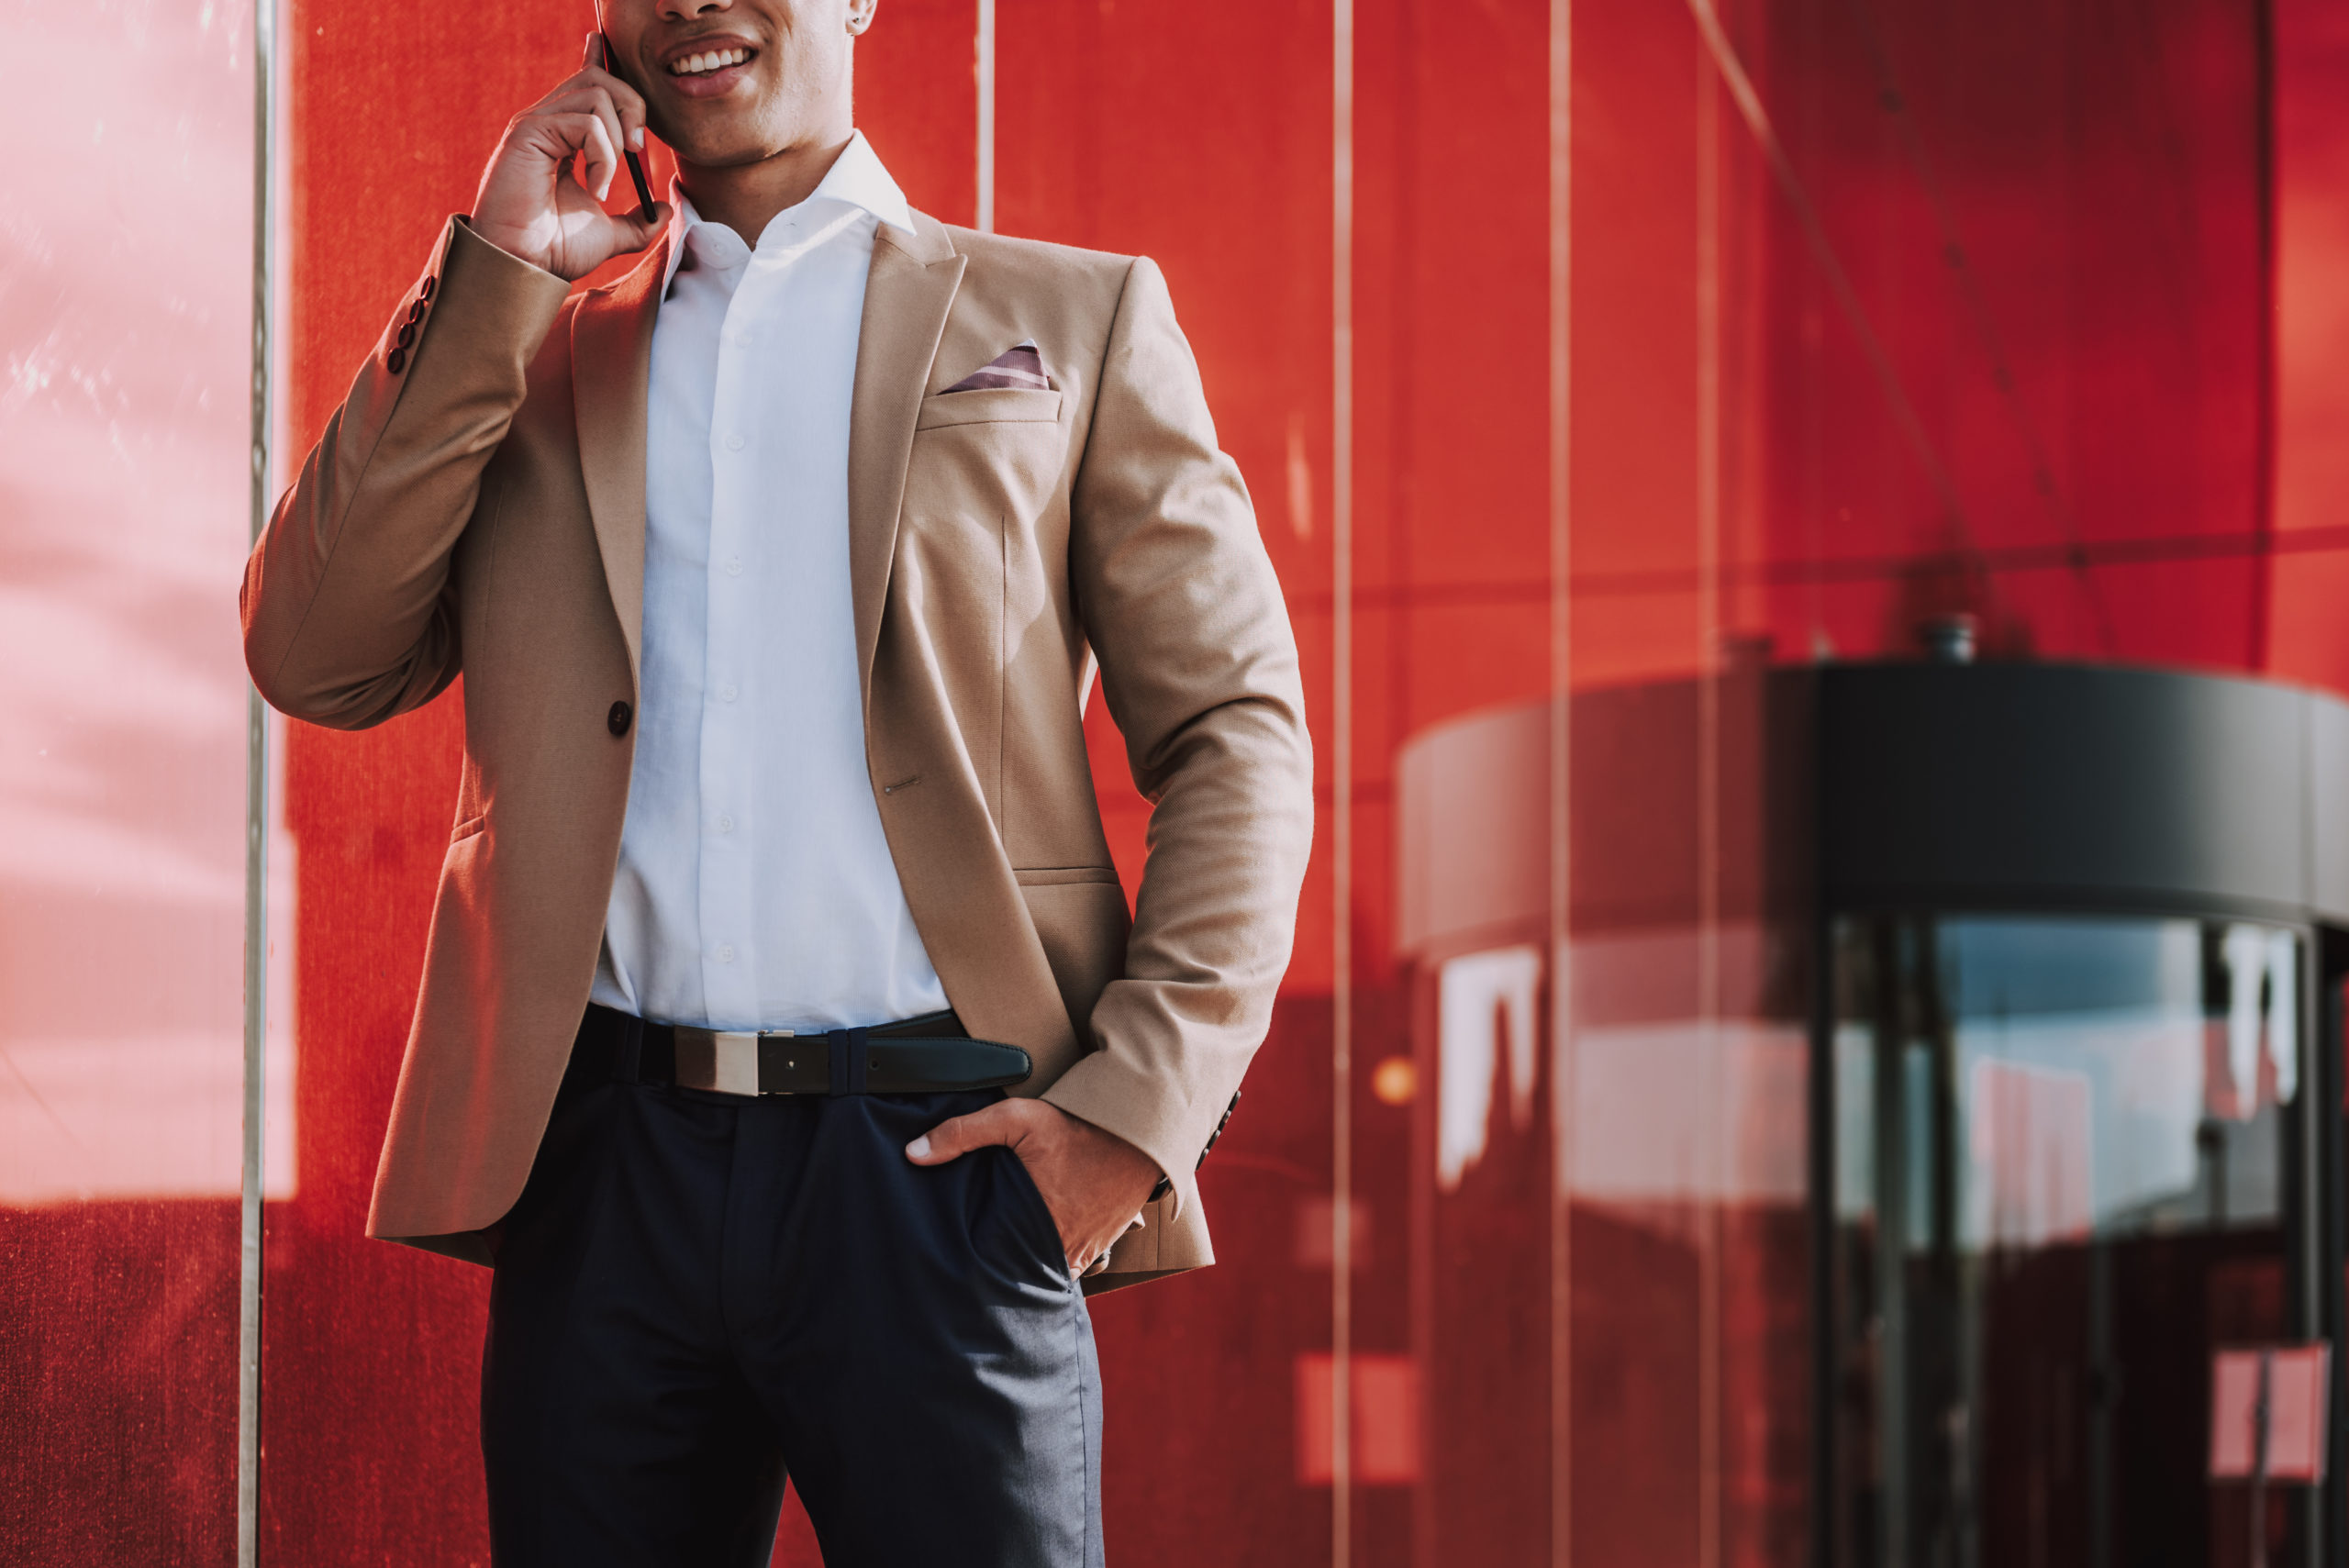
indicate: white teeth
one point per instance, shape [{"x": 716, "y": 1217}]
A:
[{"x": 697, "y": 64}]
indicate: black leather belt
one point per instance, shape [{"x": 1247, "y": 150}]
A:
[{"x": 929, "y": 1055}]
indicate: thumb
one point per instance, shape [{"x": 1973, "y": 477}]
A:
[
  {"x": 951, "y": 1140},
  {"x": 634, "y": 230}
]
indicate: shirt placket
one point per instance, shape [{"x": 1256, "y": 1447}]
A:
[{"x": 728, "y": 792}]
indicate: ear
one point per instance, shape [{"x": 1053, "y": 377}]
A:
[{"x": 860, "y": 15}]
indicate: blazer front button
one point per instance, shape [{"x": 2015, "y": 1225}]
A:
[{"x": 617, "y": 720}]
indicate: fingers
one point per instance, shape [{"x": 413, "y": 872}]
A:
[
  {"x": 955, "y": 1138},
  {"x": 595, "y": 102},
  {"x": 586, "y": 135},
  {"x": 600, "y": 70},
  {"x": 620, "y": 109},
  {"x": 608, "y": 125}
]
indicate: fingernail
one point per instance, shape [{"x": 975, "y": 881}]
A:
[
  {"x": 919, "y": 1148},
  {"x": 636, "y": 138}
]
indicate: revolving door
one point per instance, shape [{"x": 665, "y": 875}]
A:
[
  {"x": 2075, "y": 1107},
  {"x": 2067, "y": 1169}
]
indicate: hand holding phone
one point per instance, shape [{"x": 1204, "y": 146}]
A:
[
  {"x": 635, "y": 164},
  {"x": 541, "y": 197}
]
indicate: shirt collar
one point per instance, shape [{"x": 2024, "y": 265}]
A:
[{"x": 857, "y": 178}]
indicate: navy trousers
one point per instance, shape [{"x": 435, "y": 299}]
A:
[{"x": 699, "y": 1294}]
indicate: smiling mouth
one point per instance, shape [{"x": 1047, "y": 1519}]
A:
[{"x": 709, "y": 61}]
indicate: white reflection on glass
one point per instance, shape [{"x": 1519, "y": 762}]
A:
[
  {"x": 125, "y": 281},
  {"x": 2098, "y": 1079},
  {"x": 1484, "y": 1013}
]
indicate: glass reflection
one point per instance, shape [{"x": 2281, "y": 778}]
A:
[
  {"x": 2063, "y": 1157},
  {"x": 125, "y": 282}
]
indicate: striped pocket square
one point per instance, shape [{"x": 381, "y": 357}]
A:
[{"x": 1019, "y": 365}]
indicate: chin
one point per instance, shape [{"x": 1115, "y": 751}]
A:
[{"x": 728, "y": 144}]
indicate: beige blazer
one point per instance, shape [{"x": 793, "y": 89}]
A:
[{"x": 478, "y": 503}]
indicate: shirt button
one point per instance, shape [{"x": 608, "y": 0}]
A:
[
  {"x": 726, "y": 694},
  {"x": 726, "y": 953},
  {"x": 725, "y": 824},
  {"x": 617, "y": 720},
  {"x": 734, "y": 442},
  {"x": 734, "y": 566}
]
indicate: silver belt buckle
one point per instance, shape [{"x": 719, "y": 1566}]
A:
[{"x": 723, "y": 1061}]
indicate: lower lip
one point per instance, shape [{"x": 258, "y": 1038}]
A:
[{"x": 711, "y": 84}]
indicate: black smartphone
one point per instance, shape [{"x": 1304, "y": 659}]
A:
[{"x": 635, "y": 164}]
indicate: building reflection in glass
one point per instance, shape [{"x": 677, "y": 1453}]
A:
[{"x": 2062, "y": 1160}]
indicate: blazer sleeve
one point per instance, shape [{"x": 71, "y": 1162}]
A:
[
  {"x": 1199, "y": 668},
  {"x": 349, "y": 613}
]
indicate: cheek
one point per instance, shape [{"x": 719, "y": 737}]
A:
[
  {"x": 799, "y": 76},
  {"x": 814, "y": 58}
]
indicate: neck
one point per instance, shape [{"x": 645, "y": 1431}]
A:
[{"x": 745, "y": 197}]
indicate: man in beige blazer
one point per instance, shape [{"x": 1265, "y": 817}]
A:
[{"x": 825, "y": 517}]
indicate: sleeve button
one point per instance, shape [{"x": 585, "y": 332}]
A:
[
  {"x": 617, "y": 720},
  {"x": 397, "y": 361},
  {"x": 429, "y": 281}
]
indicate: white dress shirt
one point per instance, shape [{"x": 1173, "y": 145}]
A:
[{"x": 755, "y": 889}]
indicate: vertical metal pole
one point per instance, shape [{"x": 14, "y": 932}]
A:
[
  {"x": 1709, "y": 806},
  {"x": 2101, "y": 1356},
  {"x": 256, "y": 978},
  {"x": 2263, "y": 513},
  {"x": 2321, "y": 1082},
  {"x": 2314, "y": 1120},
  {"x": 985, "y": 70},
  {"x": 1900, "y": 954},
  {"x": 1821, "y": 1109},
  {"x": 1562, "y": 1055},
  {"x": 1341, "y": 780},
  {"x": 2261, "y": 1408}
]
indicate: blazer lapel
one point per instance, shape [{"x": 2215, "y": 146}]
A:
[
  {"x": 611, "y": 361},
  {"x": 906, "y": 297}
]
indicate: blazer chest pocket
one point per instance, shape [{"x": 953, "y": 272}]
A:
[
  {"x": 984, "y": 457},
  {"x": 988, "y": 405}
]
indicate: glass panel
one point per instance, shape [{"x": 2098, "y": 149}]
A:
[
  {"x": 1870, "y": 313},
  {"x": 1235, "y": 210},
  {"x": 124, "y": 288},
  {"x": 2064, "y": 1154}
]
